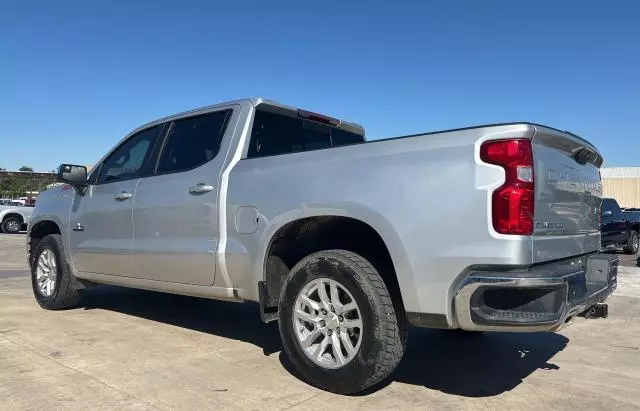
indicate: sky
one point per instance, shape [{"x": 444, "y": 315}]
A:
[{"x": 76, "y": 76}]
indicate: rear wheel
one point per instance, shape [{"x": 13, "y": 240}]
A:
[
  {"x": 632, "y": 243},
  {"x": 338, "y": 324},
  {"x": 11, "y": 225},
  {"x": 50, "y": 276}
]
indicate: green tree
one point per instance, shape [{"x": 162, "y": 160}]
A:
[
  {"x": 13, "y": 186},
  {"x": 25, "y": 168}
]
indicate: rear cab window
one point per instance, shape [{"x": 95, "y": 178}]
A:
[
  {"x": 275, "y": 133},
  {"x": 610, "y": 205}
]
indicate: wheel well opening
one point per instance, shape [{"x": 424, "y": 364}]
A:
[
  {"x": 14, "y": 215},
  {"x": 302, "y": 237},
  {"x": 41, "y": 230}
]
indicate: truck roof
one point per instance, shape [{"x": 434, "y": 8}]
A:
[{"x": 254, "y": 101}]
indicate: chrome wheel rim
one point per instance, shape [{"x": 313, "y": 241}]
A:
[
  {"x": 46, "y": 273},
  {"x": 636, "y": 242},
  {"x": 327, "y": 323},
  {"x": 13, "y": 226}
]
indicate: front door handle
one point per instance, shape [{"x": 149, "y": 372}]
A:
[
  {"x": 200, "y": 188},
  {"x": 123, "y": 196}
]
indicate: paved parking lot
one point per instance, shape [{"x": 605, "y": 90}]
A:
[{"x": 129, "y": 349}]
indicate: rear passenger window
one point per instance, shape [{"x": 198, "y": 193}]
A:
[
  {"x": 193, "y": 141},
  {"x": 274, "y": 134}
]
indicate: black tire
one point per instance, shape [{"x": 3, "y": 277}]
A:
[
  {"x": 383, "y": 333},
  {"x": 11, "y": 225},
  {"x": 64, "y": 295},
  {"x": 632, "y": 243}
]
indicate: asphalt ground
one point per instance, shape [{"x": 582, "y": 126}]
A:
[{"x": 131, "y": 349}]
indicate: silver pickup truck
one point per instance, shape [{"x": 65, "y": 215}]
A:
[{"x": 345, "y": 242}]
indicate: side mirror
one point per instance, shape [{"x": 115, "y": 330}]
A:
[
  {"x": 73, "y": 175},
  {"x": 607, "y": 213}
]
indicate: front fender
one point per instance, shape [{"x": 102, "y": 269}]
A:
[{"x": 54, "y": 205}]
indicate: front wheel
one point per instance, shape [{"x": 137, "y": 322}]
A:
[
  {"x": 50, "y": 275},
  {"x": 338, "y": 324},
  {"x": 11, "y": 225},
  {"x": 632, "y": 244}
]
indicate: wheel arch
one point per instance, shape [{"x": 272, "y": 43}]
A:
[
  {"x": 13, "y": 213},
  {"x": 313, "y": 224},
  {"x": 38, "y": 230}
]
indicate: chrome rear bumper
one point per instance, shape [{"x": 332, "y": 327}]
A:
[{"x": 544, "y": 298}]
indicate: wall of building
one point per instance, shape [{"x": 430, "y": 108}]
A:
[{"x": 623, "y": 184}]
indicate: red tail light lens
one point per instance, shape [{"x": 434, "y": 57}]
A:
[
  {"x": 318, "y": 117},
  {"x": 512, "y": 205}
]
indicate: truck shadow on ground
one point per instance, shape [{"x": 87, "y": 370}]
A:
[
  {"x": 465, "y": 364},
  {"x": 476, "y": 364}
]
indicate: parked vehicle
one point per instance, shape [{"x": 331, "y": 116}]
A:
[
  {"x": 620, "y": 227},
  {"x": 344, "y": 241},
  {"x": 14, "y": 218}
]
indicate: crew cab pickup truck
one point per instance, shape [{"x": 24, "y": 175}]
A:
[
  {"x": 344, "y": 241},
  {"x": 620, "y": 227}
]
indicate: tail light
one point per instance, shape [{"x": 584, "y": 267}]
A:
[
  {"x": 512, "y": 205},
  {"x": 318, "y": 117}
]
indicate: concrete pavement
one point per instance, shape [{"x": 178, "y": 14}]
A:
[{"x": 130, "y": 349}]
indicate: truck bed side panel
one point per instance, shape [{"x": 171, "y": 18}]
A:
[{"x": 427, "y": 196}]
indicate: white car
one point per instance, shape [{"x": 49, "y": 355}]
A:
[{"x": 14, "y": 218}]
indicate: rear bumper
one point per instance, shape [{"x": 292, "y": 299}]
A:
[{"x": 545, "y": 298}]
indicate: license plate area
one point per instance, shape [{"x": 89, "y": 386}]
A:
[
  {"x": 577, "y": 289},
  {"x": 602, "y": 272}
]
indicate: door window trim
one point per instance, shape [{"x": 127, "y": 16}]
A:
[{"x": 149, "y": 169}]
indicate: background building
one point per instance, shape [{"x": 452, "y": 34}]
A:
[{"x": 623, "y": 184}]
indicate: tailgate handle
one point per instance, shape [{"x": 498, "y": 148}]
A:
[{"x": 584, "y": 155}]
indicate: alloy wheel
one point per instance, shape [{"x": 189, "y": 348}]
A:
[
  {"x": 46, "y": 273},
  {"x": 327, "y": 323},
  {"x": 12, "y": 226}
]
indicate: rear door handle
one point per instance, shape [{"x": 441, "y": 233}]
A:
[
  {"x": 200, "y": 188},
  {"x": 123, "y": 196}
]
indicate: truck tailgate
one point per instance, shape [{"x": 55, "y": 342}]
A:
[{"x": 567, "y": 195}]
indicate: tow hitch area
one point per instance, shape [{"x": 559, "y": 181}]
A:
[{"x": 596, "y": 311}]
